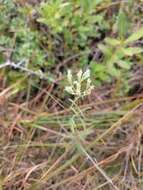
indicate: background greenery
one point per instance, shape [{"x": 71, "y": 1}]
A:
[{"x": 57, "y": 35}]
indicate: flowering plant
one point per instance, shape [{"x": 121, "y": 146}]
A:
[{"x": 81, "y": 86}]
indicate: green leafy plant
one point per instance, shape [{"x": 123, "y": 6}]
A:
[
  {"x": 17, "y": 35},
  {"x": 76, "y": 20},
  {"x": 74, "y": 24},
  {"x": 117, "y": 52},
  {"x": 18, "y": 41}
]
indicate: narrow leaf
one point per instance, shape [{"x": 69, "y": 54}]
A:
[
  {"x": 106, "y": 50},
  {"x": 132, "y": 51},
  {"x": 112, "y": 41},
  {"x": 135, "y": 36},
  {"x": 122, "y": 24},
  {"x": 124, "y": 64}
]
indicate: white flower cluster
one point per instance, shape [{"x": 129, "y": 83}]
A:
[{"x": 81, "y": 86}]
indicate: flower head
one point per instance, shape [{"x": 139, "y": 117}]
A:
[{"x": 80, "y": 86}]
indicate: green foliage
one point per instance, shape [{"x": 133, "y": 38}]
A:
[
  {"x": 76, "y": 22},
  {"x": 18, "y": 36},
  {"x": 118, "y": 52},
  {"x": 135, "y": 36},
  {"x": 67, "y": 29},
  {"x": 122, "y": 24}
]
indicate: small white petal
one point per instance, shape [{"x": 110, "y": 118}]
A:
[
  {"x": 78, "y": 89},
  {"x": 86, "y": 74},
  {"x": 69, "y": 89},
  {"x": 69, "y": 76},
  {"x": 79, "y": 75}
]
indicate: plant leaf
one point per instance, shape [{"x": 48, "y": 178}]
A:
[
  {"x": 132, "y": 51},
  {"x": 122, "y": 24},
  {"x": 112, "y": 70},
  {"x": 112, "y": 41},
  {"x": 124, "y": 64},
  {"x": 106, "y": 50},
  {"x": 135, "y": 36}
]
